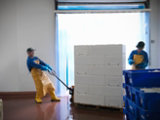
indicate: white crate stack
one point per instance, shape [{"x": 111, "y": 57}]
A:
[{"x": 98, "y": 75}]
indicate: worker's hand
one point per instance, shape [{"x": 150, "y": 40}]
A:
[
  {"x": 49, "y": 67},
  {"x": 131, "y": 62},
  {"x": 45, "y": 68}
]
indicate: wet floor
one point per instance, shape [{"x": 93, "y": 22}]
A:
[{"x": 26, "y": 109}]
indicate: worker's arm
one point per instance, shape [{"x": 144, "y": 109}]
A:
[
  {"x": 38, "y": 66},
  {"x": 130, "y": 59},
  {"x": 43, "y": 63},
  {"x": 146, "y": 60}
]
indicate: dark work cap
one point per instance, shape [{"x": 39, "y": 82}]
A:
[
  {"x": 140, "y": 44},
  {"x": 30, "y": 50}
]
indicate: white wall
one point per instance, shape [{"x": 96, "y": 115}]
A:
[
  {"x": 23, "y": 24},
  {"x": 158, "y": 24},
  {"x": 155, "y": 29},
  {"x": 30, "y": 23}
]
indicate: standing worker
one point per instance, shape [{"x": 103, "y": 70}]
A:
[
  {"x": 42, "y": 82},
  {"x": 138, "y": 58}
]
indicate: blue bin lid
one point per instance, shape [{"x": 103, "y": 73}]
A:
[{"x": 139, "y": 71}]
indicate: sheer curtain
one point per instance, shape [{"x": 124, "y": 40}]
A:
[{"x": 97, "y": 29}]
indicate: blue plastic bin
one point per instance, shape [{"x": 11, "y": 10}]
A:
[
  {"x": 128, "y": 115},
  {"x": 138, "y": 113},
  {"x": 142, "y": 78},
  {"x": 128, "y": 91},
  {"x": 130, "y": 107},
  {"x": 131, "y": 92},
  {"x": 148, "y": 101}
]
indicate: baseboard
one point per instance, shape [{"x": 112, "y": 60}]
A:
[{"x": 9, "y": 95}]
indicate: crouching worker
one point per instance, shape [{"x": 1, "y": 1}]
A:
[
  {"x": 138, "y": 58},
  {"x": 42, "y": 82}
]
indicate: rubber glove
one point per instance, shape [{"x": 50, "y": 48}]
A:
[
  {"x": 131, "y": 62},
  {"x": 45, "y": 68},
  {"x": 49, "y": 70},
  {"x": 49, "y": 67}
]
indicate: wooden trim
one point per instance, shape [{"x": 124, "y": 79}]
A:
[{"x": 10, "y": 95}]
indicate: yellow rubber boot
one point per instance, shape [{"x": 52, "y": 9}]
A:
[
  {"x": 54, "y": 97},
  {"x": 38, "y": 100}
]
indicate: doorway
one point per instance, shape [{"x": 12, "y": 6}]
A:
[{"x": 97, "y": 29}]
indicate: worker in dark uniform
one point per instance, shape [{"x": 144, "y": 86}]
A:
[
  {"x": 138, "y": 58},
  {"x": 42, "y": 82}
]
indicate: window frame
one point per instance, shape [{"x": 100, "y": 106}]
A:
[{"x": 145, "y": 2}]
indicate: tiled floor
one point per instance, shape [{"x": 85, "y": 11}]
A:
[{"x": 26, "y": 109}]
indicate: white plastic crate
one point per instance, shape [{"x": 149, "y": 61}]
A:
[
  {"x": 90, "y": 80},
  {"x": 113, "y": 91},
  {"x": 81, "y": 50},
  {"x": 98, "y": 75},
  {"x": 114, "y": 101},
  {"x": 90, "y": 99},
  {"x": 114, "y": 81},
  {"x": 96, "y": 90}
]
